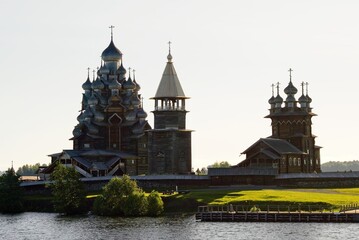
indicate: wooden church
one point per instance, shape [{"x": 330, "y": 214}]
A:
[
  {"x": 291, "y": 147},
  {"x": 113, "y": 137}
]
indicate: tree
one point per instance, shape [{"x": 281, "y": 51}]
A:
[
  {"x": 28, "y": 169},
  {"x": 155, "y": 204},
  {"x": 114, "y": 195},
  {"x": 223, "y": 164},
  {"x": 11, "y": 194},
  {"x": 122, "y": 197},
  {"x": 135, "y": 204},
  {"x": 68, "y": 191}
]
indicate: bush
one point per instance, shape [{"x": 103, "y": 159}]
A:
[
  {"x": 155, "y": 204},
  {"x": 136, "y": 204},
  {"x": 11, "y": 194},
  {"x": 122, "y": 197}
]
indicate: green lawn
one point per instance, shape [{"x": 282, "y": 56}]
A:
[{"x": 328, "y": 198}]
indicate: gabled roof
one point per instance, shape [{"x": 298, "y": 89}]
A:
[
  {"x": 279, "y": 145},
  {"x": 170, "y": 86}
]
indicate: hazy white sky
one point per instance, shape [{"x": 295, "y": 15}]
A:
[{"x": 226, "y": 53}]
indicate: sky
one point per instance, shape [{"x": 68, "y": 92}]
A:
[{"x": 226, "y": 54}]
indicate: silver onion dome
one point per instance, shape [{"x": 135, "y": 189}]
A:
[
  {"x": 92, "y": 100},
  {"x": 129, "y": 84},
  {"x": 111, "y": 53},
  {"x": 290, "y": 98},
  {"x": 114, "y": 84},
  {"x": 104, "y": 70},
  {"x": 77, "y": 131},
  {"x": 290, "y": 89},
  {"x": 303, "y": 99},
  {"x": 98, "y": 84},
  {"x": 271, "y": 100},
  {"x": 278, "y": 99},
  {"x": 87, "y": 85},
  {"x": 135, "y": 101},
  {"x": 121, "y": 70},
  {"x": 141, "y": 113}
]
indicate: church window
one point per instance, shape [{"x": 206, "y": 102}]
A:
[
  {"x": 290, "y": 161},
  {"x": 317, "y": 161},
  {"x": 86, "y": 145},
  {"x": 299, "y": 162}
]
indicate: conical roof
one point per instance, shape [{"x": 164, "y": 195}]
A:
[{"x": 170, "y": 86}]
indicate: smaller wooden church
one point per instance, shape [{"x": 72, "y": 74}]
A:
[{"x": 291, "y": 147}]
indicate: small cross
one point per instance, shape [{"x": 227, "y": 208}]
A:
[
  {"x": 306, "y": 84},
  {"x": 112, "y": 27},
  {"x": 133, "y": 71},
  {"x": 290, "y": 73},
  {"x": 129, "y": 72},
  {"x": 272, "y": 89},
  {"x": 88, "y": 72},
  {"x": 302, "y": 87},
  {"x": 169, "y": 46},
  {"x": 278, "y": 88},
  {"x": 93, "y": 74}
]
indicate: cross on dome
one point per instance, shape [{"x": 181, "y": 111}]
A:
[
  {"x": 290, "y": 73},
  {"x": 112, "y": 27}
]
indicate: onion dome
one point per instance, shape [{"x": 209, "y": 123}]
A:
[
  {"x": 111, "y": 53},
  {"x": 87, "y": 85},
  {"x": 88, "y": 113},
  {"x": 104, "y": 70},
  {"x": 303, "y": 99},
  {"x": 92, "y": 100},
  {"x": 290, "y": 89},
  {"x": 91, "y": 128},
  {"x": 98, "y": 84},
  {"x": 129, "y": 84},
  {"x": 308, "y": 98},
  {"x": 99, "y": 117},
  {"x": 141, "y": 113},
  {"x": 169, "y": 57},
  {"x": 271, "y": 100},
  {"x": 114, "y": 84},
  {"x": 131, "y": 116},
  {"x": 290, "y": 98},
  {"x": 80, "y": 117},
  {"x": 127, "y": 100},
  {"x": 278, "y": 99},
  {"x": 121, "y": 70},
  {"x": 138, "y": 87},
  {"x": 77, "y": 131},
  {"x": 135, "y": 100}
]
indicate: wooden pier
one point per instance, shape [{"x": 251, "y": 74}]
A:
[{"x": 237, "y": 213}]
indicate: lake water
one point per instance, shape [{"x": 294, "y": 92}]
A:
[{"x": 53, "y": 226}]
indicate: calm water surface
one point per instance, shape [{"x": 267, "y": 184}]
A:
[{"x": 53, "y": 226}]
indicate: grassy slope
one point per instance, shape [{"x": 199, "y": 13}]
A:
[{"x": 328, "y": 198}]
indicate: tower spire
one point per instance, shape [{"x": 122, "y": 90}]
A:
[
  {"x": 169, "y": 56},
  {"x": 93, "y": 74},
  {"x": 133, "y": 74},
  {"x": 129, "y": 72},
  {"x": 88, "y": 73},
  {"x": 112, "y": 27}
]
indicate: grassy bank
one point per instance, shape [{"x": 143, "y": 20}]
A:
[{"x": 317, "y": 198}]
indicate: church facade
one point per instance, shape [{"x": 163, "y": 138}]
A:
[{"x": 113, "y": 137}]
